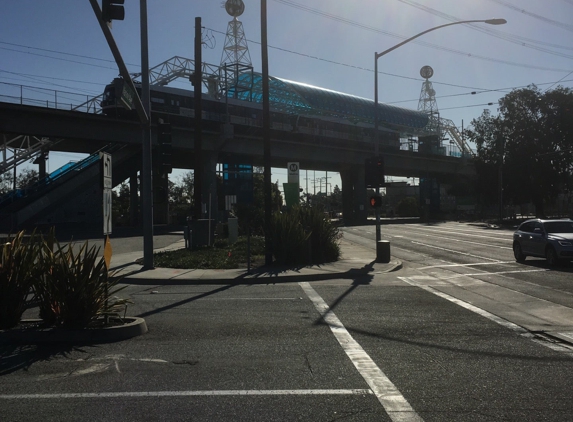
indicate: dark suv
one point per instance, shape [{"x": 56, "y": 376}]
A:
[{"x": 550, "y": 239}]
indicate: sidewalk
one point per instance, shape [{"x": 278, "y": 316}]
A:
[{"x": 356, "y": 260}]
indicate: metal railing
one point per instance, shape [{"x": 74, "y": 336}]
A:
[
  {"x": 53, "y": 179},
  {"x": 49, "y": 98}
]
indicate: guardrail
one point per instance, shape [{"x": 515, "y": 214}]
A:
[{"x": 49, "y": 98}]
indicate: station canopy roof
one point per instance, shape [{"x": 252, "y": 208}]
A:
[{"x": 297, "y": 98}]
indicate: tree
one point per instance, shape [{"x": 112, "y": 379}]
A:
[
  {"x": 253, "y": 215},
  {"x": 532, "y": 141},
  {"x": 120, "y": 204},
  {"x": 181, "y": 198},
  {"x": 25, "y": 178}
]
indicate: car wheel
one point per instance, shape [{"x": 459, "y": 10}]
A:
[
  {"x": 551, "y": 256},
  {"x": 518, "y": 253}
]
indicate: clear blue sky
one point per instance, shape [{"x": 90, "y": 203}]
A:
[{"x": 327, "y": 43}]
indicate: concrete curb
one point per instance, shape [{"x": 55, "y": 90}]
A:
[
  {"x": 34, "y": 335},
  {"x": 164, "y": 276}
]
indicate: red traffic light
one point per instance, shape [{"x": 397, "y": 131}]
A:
[{"x": 375, "y": 201}]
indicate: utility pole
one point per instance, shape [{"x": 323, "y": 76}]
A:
[
  {"x": 267, "y": 185},
  {"x": 198, "y": 135}
]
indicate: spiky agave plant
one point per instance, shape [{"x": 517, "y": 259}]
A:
[
  {"x": 76, "y": 288},
  {"x": 17, "y": 269}
]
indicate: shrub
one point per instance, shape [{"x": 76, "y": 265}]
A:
[
  {"x": 408, "y": 207},
  {"x": 74, "y": 288},
  {"x": 17, "y": 270},
  {"x": 304, "y": 235}
]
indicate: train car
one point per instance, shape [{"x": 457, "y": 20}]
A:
[{"x": 180, "y": 102}]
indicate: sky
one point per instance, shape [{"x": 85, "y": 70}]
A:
[{"x": 326, "y": 43}]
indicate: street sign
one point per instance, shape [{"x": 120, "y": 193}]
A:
[
  {"x": 293, "y": 172},
  {"x": 106, "y": 170},
  {"x": 107, "y": 252},
  {"x": 107, "y": 211},
  {"x": 107, "y": 186}
]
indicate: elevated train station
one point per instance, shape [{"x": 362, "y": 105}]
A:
[{"x": 322, "y": 129}]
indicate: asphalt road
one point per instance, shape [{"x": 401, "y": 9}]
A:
[{"x": 376, "y": 348}]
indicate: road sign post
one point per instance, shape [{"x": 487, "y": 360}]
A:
[{"x": 107, "y": 185}]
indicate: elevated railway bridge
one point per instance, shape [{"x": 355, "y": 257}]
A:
[{"x": 322, "y": 129}]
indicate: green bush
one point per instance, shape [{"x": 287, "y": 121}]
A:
[
  {"x": 303, "y": 236},
  {"x": 289, "y": 239},
  {"x": 408, "y": 207},
  {"x": 17, "y": 270},
  {"x": 74, "y": 288}
]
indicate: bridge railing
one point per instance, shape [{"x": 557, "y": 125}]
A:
[
  {"x": 54, "y": 178},
  {"x": 48, "y": 98}
]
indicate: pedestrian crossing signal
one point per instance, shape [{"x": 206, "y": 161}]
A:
[
  {"x": 375, "y": 201},
  {"x": 374, "y": 172}
]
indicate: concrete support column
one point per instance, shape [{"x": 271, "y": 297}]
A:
[
  {"x": 133, "y": 200},
  {"x": 160, "y": 198},
  {"x": 209, "y": 180},
  {"x": 353, "y": 195}
]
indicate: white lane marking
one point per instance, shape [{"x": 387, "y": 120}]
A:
[
  {"x": 503, "y": 322},
  {"x": 185, "y": 393},
  {"x": 458, "y": 252},
  {"x": 470, "y": 233},
  {"x": 475, "y": 309},
  {"x": 99, "y": 367},
  {"x": 494, "y": 273},
  {"x": 466, "y": 265},
  {"x": 122, "y": 357},
  {"x": 394, "y": 403},
  {"x": 467, "y": 241}
]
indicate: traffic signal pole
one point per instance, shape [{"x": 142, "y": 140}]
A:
[
  {"x": 376, "y": 140},
  {"x": 142, "y": 105}
]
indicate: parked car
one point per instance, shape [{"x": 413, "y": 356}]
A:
[{"x": 550, "y": 239}]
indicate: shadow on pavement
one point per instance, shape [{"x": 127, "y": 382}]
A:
[{"x": 15, "y": 357}]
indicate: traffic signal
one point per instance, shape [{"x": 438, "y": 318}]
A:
[
  {"x": 165, "y": 147},
  {"x": 112, "y": 10},
  {"x": 374, "y": 172},
  {"x": 376, "y": 201}
]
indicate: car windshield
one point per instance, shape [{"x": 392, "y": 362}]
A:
[{"x": 559, "y": 227}]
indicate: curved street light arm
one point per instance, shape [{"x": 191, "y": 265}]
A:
[{"x": 489, "y": 21}]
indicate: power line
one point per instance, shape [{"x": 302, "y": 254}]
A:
[
  {"x": 60, "y": 52},
  {"x": 55, "y": 58},
  {"x": 490, "y": 32},
  {"x": 565, "y": 26},
  {"x": 489, "y": 90},
  {"x": 380, "y": 72}
]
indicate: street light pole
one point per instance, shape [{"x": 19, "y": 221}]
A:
[
  {"x": 267, "y": 185},
  {"x": 376, "y": 57},
  {"x": 146, "y": 166}
]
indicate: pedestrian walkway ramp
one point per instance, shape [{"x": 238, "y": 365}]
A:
[{"x": 24, "y": 208}]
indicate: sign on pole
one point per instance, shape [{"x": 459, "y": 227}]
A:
[
  {"x": 293, "y": 172},
  {"x": 107, "y": 196}
]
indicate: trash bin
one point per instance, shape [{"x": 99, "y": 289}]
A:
[
  {"x": 201, "y": 232},
  {"x": 383, "y": 251}
]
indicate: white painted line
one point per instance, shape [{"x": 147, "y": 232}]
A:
[
  {"x": 466, "y": 265},
  {"x": 494, "y": 273},
  {"x": 458, "y": 252},
  {"x": 475, "y": 309},
  {"x": 185, "y": 393},
  {"x": 467, "y": 241},
  {"x": 389, "y": 396},
  {"x": 503, "y": 322}
]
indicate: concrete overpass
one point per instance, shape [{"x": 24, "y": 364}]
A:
[{"x": 322, "y": 147}]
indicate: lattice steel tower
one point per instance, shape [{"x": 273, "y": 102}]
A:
[
  {"x": 427, "y": 102},
  {"x": 236, "y": 50}
]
